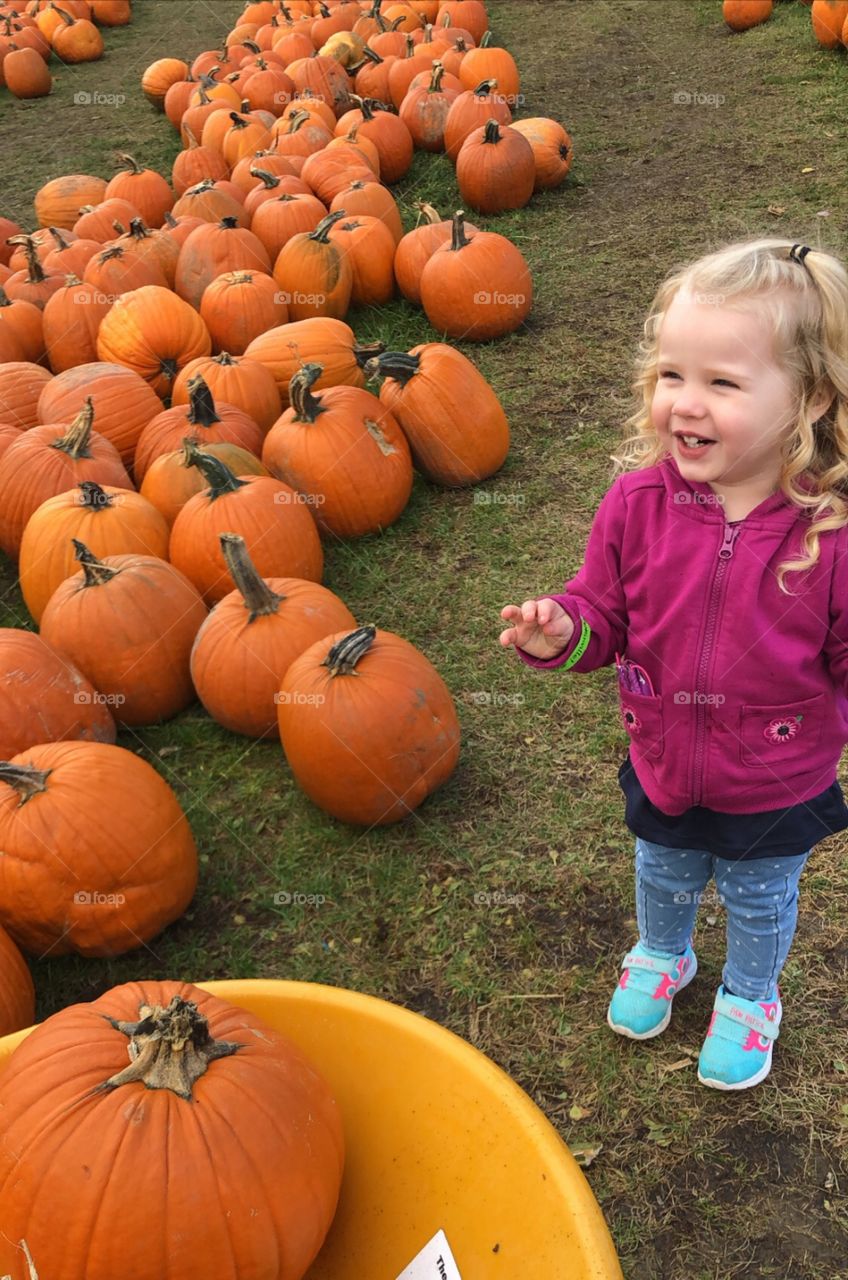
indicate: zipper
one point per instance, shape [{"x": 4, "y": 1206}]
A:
[{"x": 725, "y": 553}]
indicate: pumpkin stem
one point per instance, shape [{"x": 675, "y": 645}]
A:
[
  {"x": 77, "y": 438},
  {"x": 119, "y": 227},
  {"x": 5, "y": 300},
  {"x": 192, "y": 140},
  {"x": 224, "y": 358},
  {"x": 127, "y": 162},
  {"x": 269, "y": 180},
  {"x": 96, "y": 573},
  {"x": 259, "y": 599},
  {"x": 24, "y": 778},
  {"x": 322, "y": 231},
  {"x": 410, "y": 45},
  {"x": 486, "y": 41},
  {"x": 429, "y": 212},
  {"x": 138, "y": 230},
  {"x": 228, "y": 222},
  {"x": 362, "y": 354},
  {"x": 484, "y": 88},
  {"x": 458, "y": 237},
  {"x": 252, "y": 46},
  {"x": 239, "y": 122},
  {"x": 93, "y": 497},
  {"x": 35, "y": 271},
  {"x": 217, "y": 474},
  {"x": 296, "y": 120},
  {"x": 169, "y": 1048},
  {"x": 306, "y": 406},
  {"x": 459, "y": 44},
  {"x": 399, "y": 365},
  {"x": 201, "y": 411},
  {"x": 436, "y": 78},
  {"x": 170, "y": 219},
  {"x": 491, "y": 131},
  {"x": 427, "y": 38},
  {"x": 61, "y": 242},
  {"x": 369, "y": 55},
  {"x": 344, "y": 655}
]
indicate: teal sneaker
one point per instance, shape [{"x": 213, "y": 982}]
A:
[
  {"x": 641, "y": 1004},
  {"x": 737, "y": 1050}
]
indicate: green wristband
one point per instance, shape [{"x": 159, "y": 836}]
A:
[{"x": 582, "y": 645}]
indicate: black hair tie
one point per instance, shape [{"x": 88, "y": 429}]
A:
[{"x": 798, "y": 253}]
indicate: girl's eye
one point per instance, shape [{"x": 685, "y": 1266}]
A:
[
  {"x": 725, "y": 382},
  {"x": 667, "y": 373}
]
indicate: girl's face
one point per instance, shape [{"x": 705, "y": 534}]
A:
[{"x": 717, "y": 379}]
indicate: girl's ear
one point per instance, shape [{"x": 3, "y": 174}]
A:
[{"x": 820, "y": 405}]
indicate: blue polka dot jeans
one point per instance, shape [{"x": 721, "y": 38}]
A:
[{"x": 760, "y": 895}]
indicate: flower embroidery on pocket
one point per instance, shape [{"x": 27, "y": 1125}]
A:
[
  {"x": 783, "y": 729},
  {"x": 632, "y": 723}
]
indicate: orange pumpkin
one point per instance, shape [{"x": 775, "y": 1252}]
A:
[
  {"x": 373, "y": 199},
  {"x": 110, "y": 520},
  {"x": 58, "y": 202},
  {"x": 277, "y": 220},
  {"x": 552, "y": 150},
  {"x": 119, "y": 270},
  {"x": 21, "y": 384},
  {"x": 32, "y": 283},
  {"x": 324, "y": 78},
  {"x": 195, "y": 164},
  {"x": 425, "y": 109},
  {"x": 455, "y": 424},
  {"x": 25, "y": 321},
  {"x": 171, "y": 479},
  {"x": 17, "y": 993},
  {"x": 154, "y": 333},
  {"x": 314, "y": 274},
  {"x": 77, "y": 40},
  {"x": 496, "y": 169},
  {"x": 212, "y": 250},
  {"x": 123, "y": 402},
  {"x": 217, "y": 1085},
  {"x": 158, "y": 78},
  {"x": 236, "y": 380},
  {"x": 239, "y": 305},
  {"x": 740, "y": 15},
  {"x": 203, "y": 420},
  {"x": 417, "y": 248},
  {"x": 26, "y": 75},
  {"x": 469, "y": 14},
  {"x": 70, "y": 257},
  {"x": 389, "y": 134},
  {"x": 352, "y": 756},
  {"x": 207, "y": 201},
  {"x": 128, "y": 622},
  {"x": 98, "y": 860},
  {"x": 488, "y": 63},
  {"x": 44, "y": 698},
  {"x": 144, "y": 188},
  {"x": 98, "y": 222},
  {"x": 470, "y": 111},
  {"x": 345, "y": 452},
  {"x": 275, "y": 523},
  {"x": 828, "y": 18},
  {"x": 48, "y": 460},
  {"x": 476, "y": 287},
  {"x": 369, "y": 247},
  {"x": 248, "y": 642},
  {"x": 71, "y": 320},
  {"x": 323, "y": 340}
]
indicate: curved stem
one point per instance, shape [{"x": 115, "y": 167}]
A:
[
  {"x": 362, "y": 354},
  {"x": 259, "y": 599},
  {"x": 484, "y": 88},
  {"x": 322, "y": 231},
  {"x": 306, "y": 406},
  {"x": 93, "y": 497},
  {"x": 201, "y": 404},
  {"x": 77, "y": 438},
  {"x": 169, "y": 1048},
  {"x": 344, "y": 655},
  {"x": 216, "y": 473},
  {"x": 127, "y": 162},
  {"x": 269, "y": 180},
  {"x": 224, "y": 358},
  {"x": 25, "y": 779},
  {"x": 429, "y": 211},
  {"x": 491, "y": 131},
  {"x": 486, "y": 42},
  {"x": 399, "y": 365},
  {"x": 96, "y": 573},
  {"x": 436, "y": 78}
]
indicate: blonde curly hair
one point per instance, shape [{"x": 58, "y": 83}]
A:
[{"x": 806, "y": 304}]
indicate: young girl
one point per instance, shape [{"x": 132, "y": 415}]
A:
[{"x": 718, "y": 564}]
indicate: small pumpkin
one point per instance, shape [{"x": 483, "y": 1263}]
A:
[
  {"x": 489, "y": 63},
  {"x": 158, "y": 78},
  {"x": 369, "y": 247},
  {"x": 828, "y": 18},
  {"x": 425, "y": 110},
  {"x": 17, "y": 992},
  {"x": 372, "y": 199},
  {"x": 25, "y": 321},
  {"x": 389, "y": 134},
  {"x": 323, "y": 340},
  {"x": 476, "y": 287},
  {"x": 275, "y": 523},
  {"x": 26, "y": 74},
  {"x": 239, "y": 305},
  {"x": 741, "y": 15},
  {"x": 128, "y": 622},
  {"x": 214, "y": 249},
  {"x": 45, "y": 698},
  {"x": 171, "y": 479},
  {"x": 368, "y": 726},
  {"x": 144, "y": 188},
  {"x": 345, "y": 452},
  {"x": 496, "y": 169},
  {"x": 155, "y": 333},
  {"x": 77, "y": 40},
  {"x": 552, "y": 150},
  {"x": 21, "y": 384},
  {"x": 277, "y": 220},
  {"x": 98, "y": 858},
  {"x": 110, "y": 520},
  {"x": 119, "y": 270},
  {"x": 237, "y": 380},
  {"x": 314, "y": 274},
  {"x": 248, "y": 642},
  {"x": 455, "y": 424},
  {"x": 57, "y": 203},
  {"x": 97, "y": 222},
  {"x": 72, "y": 318}
]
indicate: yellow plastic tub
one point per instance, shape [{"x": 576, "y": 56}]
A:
[{"x": 437, "y": 1137}]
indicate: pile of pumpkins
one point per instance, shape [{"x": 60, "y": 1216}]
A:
[
  {"x": 180, "y": 434},
  {"x": 829, "y": 18},
  {"x": 33, "y": 30}
]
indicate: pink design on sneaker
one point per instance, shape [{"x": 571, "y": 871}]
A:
[
  {"x": 755, "y": 1041},
  {"x": 712, "y": 1023}
]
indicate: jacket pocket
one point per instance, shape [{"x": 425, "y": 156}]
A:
[
  {"x": 780, "y": 734},
  {"x": 642, "y": 716}
]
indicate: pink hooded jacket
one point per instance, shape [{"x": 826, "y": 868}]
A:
[{"x": 749, "y": 710}]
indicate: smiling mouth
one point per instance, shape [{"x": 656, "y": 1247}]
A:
[{"x": 692, "y": 442}]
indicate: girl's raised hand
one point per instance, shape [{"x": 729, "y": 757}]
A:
[{"x": 541, "y": 627}]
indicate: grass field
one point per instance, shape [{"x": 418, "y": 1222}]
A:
[{"x": 502, "y": 908}]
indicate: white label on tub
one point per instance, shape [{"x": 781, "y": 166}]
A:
[{"x": 434, "y": 1262}]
